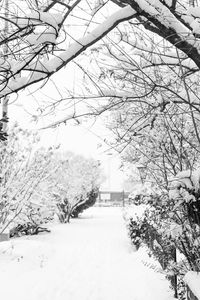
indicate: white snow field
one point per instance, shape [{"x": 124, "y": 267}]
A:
[{"x": 89, "y": 259}]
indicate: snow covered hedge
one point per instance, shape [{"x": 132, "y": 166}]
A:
[
  {"x": 169, "y": 223},
  {"x": 144, "y": 223}
]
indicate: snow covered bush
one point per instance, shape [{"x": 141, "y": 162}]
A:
[
  {"x": 137, "y": 231},
  {"x": 89, "y": 201},
  {"x": 185, "y": 194},
  {"x": 170, "y": 224},
  {"x": 66, "y": 211},
  {"x": 149, "y": 224},
  {"x": 78, "y": 181},
  {"x": 146, "y": 230}
]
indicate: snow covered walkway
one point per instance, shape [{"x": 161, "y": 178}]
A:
[{"x": 89, "y": 259}]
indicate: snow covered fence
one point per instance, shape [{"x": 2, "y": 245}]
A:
[{"x": 192, "y": 279}]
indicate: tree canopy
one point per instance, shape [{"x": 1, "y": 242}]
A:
[{"x": 41, "y": 37}]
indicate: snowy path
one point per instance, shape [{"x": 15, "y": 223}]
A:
[{"x": 90, "y": 259}]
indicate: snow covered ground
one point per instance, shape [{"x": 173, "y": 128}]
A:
[{"x": 89, "y": 259}]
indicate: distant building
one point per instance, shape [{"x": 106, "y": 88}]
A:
[{"x": 112, "y": 197}]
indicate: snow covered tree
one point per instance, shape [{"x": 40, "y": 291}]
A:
[
  {"x": 164, "y": 149},
  {"x": 15, "y": 184},
  {"x": 41, "y": 36},
  {"x": 37, "y": 29},
  {"x": 152, "y": 91},
  {"x": 38, "y": 207},
  {"x": 23, "y": 171},
  {"x": 154, "y": 107},
  {"x": 147, "y": 51}
]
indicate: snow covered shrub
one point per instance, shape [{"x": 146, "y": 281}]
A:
[
  {"x": 185, "y": 196},
  {"x": 171, "y": 223},
  {"x": 27, "y": 229},
  {"x": 153, "y": 227},
  {"x": 78, "y": 180},
  {"x": 142, "y": 232},
  {"x": 137, "y": 232},
  {"x": 90, "y": 201},
  {"x": 67, "y": 210},
  {"x": 176, "y": 217}
]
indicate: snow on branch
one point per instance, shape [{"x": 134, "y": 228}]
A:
[
  {"x": 39, "y": 67},
  {"x": 177, "y": 23}
]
